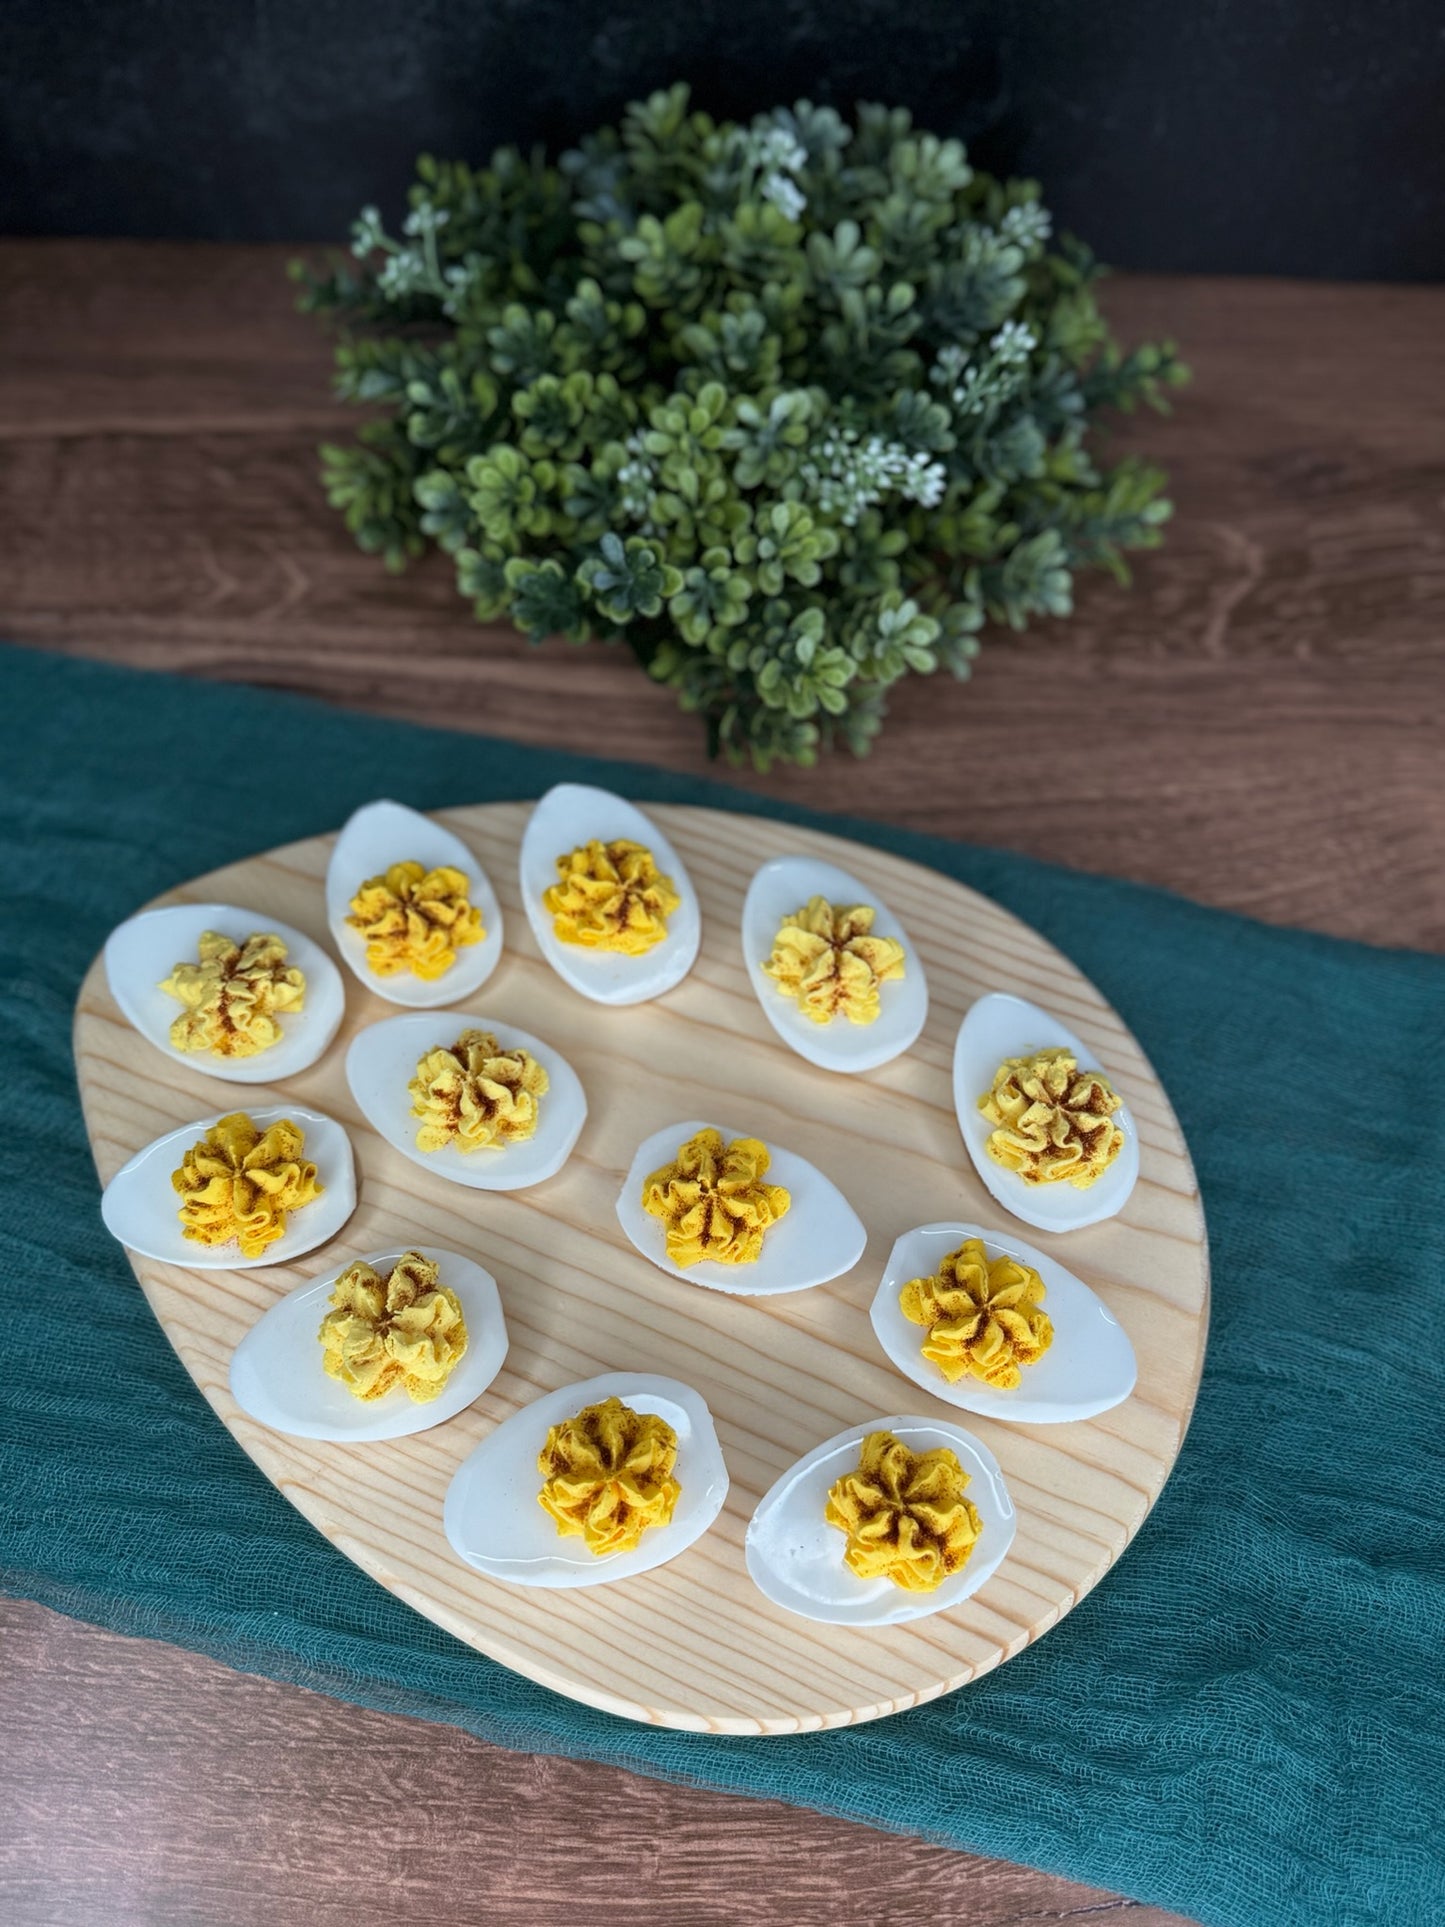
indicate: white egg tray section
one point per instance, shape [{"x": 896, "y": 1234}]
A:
[{"x": 493, "y": 1523}]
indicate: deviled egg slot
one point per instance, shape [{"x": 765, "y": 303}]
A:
[
  {"x": 231, "y": 1192},
  {"x": 411, "y": 910},
  {"x": 225, "y": 991},
  {"x": 724, "y": 1209},
  {"x": 475, "y": 1100},
  {"x": 890, "y": 1521},
  {"x": 835, "y": 972},
  {"x": 986, "y": 1322},
  {"x": 1047, "y": 1132},
  {"x": 610, "y": 903},
  {"x": 390, "y": 1344},
  {"x": 597, "y": 1482}
]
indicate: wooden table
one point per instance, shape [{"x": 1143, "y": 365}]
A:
[{"x": 1256, "y": 723}]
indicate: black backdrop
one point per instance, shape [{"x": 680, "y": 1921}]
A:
[{"x": 1301, "y": 137}]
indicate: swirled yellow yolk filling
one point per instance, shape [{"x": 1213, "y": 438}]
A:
[
  {"x": 713, "y": 1202},
  {"x": 476, "y": 1095},
  {"x": 829, "y": 962},
  {"x": 233, "y": 995},
  {"x": 611, "y": 896},
  {"x": 982, "y": 1316},
  {"x": 1054, "y": 1120},
  {"x": 905, "y": 1514},
  {"x": 608, "y": 1476},
  {"x": 237, "y": 1183},
  {"x": 405, "y": 1330},
  {"x": 415, "y": 919}
]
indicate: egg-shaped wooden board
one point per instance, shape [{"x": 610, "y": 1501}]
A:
[{"x": 694, "y": 1644}]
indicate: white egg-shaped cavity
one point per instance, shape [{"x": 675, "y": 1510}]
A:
[
  {"x": 573, "y": 814},
  {"x": 382, "y": 1062},
  {"x": 1000, "y": 1026},
  {"x": 796, "y": 1558},
  {"x": 278, "y": 1378},
  {"x": 780, "y": 889},
  {"x": 140, "y": 1205},
  {"x": 495, "y": 1523},
  {"x": 145, "y": 949},
  {"x": 375, "y": 837},
  {"x": 1088, "y": 1368},
  {"x": 819, "y": 1237}
]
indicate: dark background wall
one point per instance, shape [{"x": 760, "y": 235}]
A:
[{"x": 1302, "y": 137}]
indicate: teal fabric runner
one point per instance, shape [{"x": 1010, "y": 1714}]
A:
[{"x": 1243, "y": 1722}]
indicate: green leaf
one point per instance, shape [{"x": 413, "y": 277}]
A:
[{"x": 801, "y": 406}]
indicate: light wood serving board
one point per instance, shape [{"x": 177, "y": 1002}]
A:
[{"x": 694, "y": 1644}]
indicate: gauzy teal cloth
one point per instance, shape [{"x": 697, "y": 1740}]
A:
[{"x": 1243, "y": 1722}]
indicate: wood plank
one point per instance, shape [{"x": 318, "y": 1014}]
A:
[
  {"x": 1253, "y": 722},
  {"x": 693, "y": 1644},
  {"x": 146, "y": 1787}
]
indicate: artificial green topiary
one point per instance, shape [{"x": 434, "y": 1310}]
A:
[{"x": 794, "y": 407}]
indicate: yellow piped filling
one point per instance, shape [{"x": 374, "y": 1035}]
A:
[
  {"x": 982, "y": 1316},
  {"x": 1054, "y": 1120},
  {"x": 608, "y": 1476},
  {"x": 237, "y": 1183},
  {"x": 233, "y": 995},
  {"x": 829, "y": 962},
  {"x": 415, "y": 919},
  {"x": 476, "y": 1095},
  {"x": 611, "y": 896},
  {"x": 713, "y": 1202},
  {"x": 406, "y": 1330},
  {"x": 905, "y": 1514}
]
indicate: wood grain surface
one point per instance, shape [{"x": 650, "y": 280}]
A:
[
  {"x": 1255, "y": 723},
  {"x": 146, "y": 1787},
  {"x": 694, "y": 1644}
]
